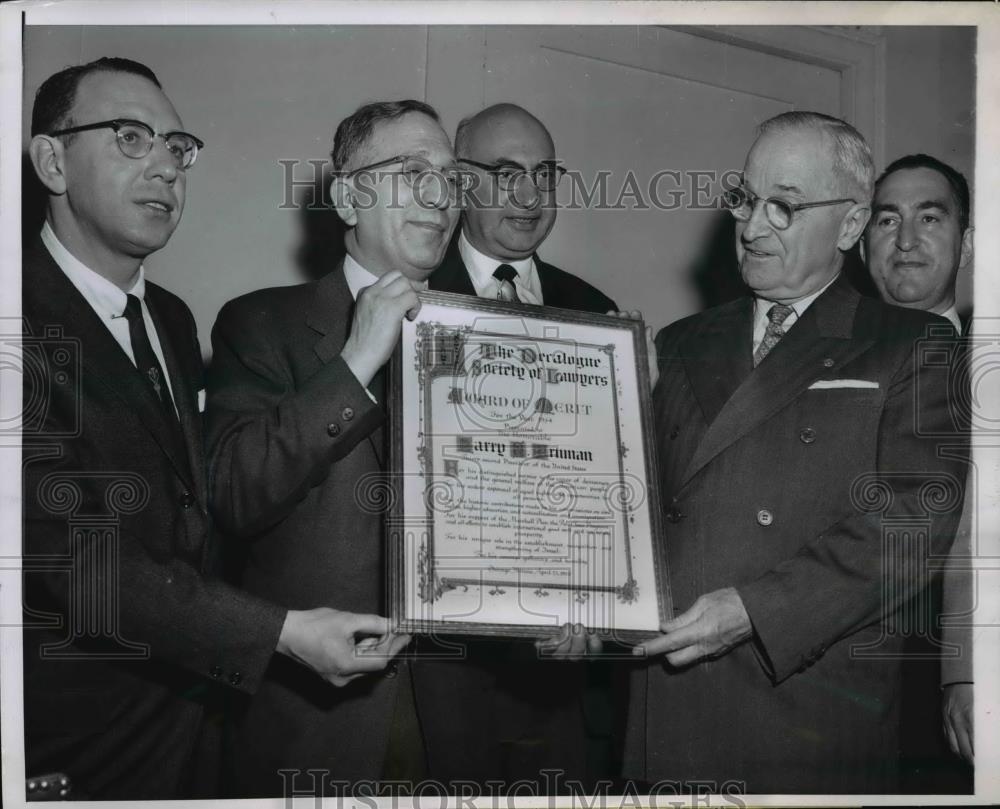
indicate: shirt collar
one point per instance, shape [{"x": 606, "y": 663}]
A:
[
  {"x": 951, "y": 313},
  {"x": 762, "y": 305},
  {"x": 481, "y": 266},
  {"x": 104, "y": 297},
  {"x": 358, "y": 277}
]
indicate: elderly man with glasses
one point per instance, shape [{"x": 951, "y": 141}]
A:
[
  {"x": 522, "y": 712},
  {"x": 296, "y": 425},
  {"x": 799, "y": 432},
  {"x": 124, "y": 624}
]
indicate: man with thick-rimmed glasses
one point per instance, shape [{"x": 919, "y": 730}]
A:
[
  {"x": 125, "y": 625},
  {"x": 523, "y": 711},
  {"x": 296, "y": 418},
  {"x": 798, "y": 433},
  {"x": 510, "y": 210}
]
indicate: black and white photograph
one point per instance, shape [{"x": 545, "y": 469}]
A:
[{"x": 560, "y": 404}]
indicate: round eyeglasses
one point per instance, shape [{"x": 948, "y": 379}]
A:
[
  {"x": 135, "y": 140},
  {"x": 742, "y": 202},
  {"x": 511, "y": 176}
]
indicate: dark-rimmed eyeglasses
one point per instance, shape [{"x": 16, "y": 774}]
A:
[
  {"x": 742, "y": 202},
  {"x": 135, "y": 140},
  {"x": 417, "y": 173},
  {"x": 509, "y": 176}
]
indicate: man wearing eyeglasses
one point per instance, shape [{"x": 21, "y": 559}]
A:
[
  {"x": 124, "y": 623},
  {"x": 297, "y": 438},
  {"x": 799, "y": 430},
  {"x": 522, "y": 712},
  {"x": 509, "y": 211}
]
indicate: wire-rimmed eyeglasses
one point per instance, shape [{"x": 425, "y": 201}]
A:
[{"x": 135, "y": 140}]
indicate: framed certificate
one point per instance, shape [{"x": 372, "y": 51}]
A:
[{"x": 524, "y": 492}]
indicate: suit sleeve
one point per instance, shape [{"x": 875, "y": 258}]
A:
[
  {"x": 959, "y": 586},
  {"x": 849, "y": 576},
  {"x": 102, "y": 554},
  {"x": 273, "y": 437}
]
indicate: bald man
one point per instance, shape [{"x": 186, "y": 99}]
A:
[
  {"x": 508, "y": 215},
  {"x": 517, "y": 713}
]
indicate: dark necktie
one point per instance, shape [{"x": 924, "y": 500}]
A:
[
  {"x": 776, "y": 315},
  {"x": 145, "y": 359},
  {"x": 505, "y": 275}
]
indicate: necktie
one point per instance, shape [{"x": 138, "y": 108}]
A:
[
  {"x": 505, "y": 275},
  {"x": 776, "y": 315},
  {"x": 145, "y": 359}
]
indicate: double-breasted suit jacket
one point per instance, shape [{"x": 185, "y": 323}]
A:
[
  {"x": 122, "y": 619},
  {"x": 818, "y": 485}
]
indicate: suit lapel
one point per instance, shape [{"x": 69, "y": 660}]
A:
[
  {"x": 719, "y": 358},
  {"x": 331, "y": 313},
  {"x": 823, "y": 340},
  {"x": 185, "y": 396},
  {"x": 102, "y": 358},
  {"x": 452, "y": 276},
  {"x": 330, "y": 316}
]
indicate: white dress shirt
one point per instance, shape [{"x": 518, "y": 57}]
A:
[
  {"x": 107, "y": 300},
  {"x": 481, "y": 268},
  {"x": 761, "y": 306}
]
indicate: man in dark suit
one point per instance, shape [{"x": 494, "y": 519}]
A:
[
  {"x": 917, "y": 242},
  {"x": 509, "y": 212},
  {"x": 521, "y": 712},
  {"x": 799, "y": 445},
  {"x": 123, "y": 622},
  {"x": 295, "y": 423}
]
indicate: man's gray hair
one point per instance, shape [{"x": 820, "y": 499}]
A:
[
  {"x": 852, "y": 158},
  {"x": 355, "y": 130}
]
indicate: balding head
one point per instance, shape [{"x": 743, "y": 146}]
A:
[
  {"x": 509, "y": 117},
  {"x": 506, "y": 224}
]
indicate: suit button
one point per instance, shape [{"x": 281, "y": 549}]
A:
[
  {"x": 674, "y": 433},
  {"x": 765, "y": 517},
  {"x": 187, "y": 500},
  {"x": 828, "y": 363},
  {"x": 235, "y": 678},
  {"x": 392, "y": 670},
  {"x": 216, "y": 672},
  {"x": 333, "y": 429},
  {"x": 347, "y": 413},
  {"x": 807, "y": 435},
  {"x": 674, "y": 516}
]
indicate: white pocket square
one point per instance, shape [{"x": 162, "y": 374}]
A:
[
  {"x": 830, "y": 384},
  {"x": 201, "y": 400}
]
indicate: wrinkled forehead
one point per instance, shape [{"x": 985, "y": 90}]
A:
[
  {"x": 413, "y": 134},
  {"x": 106, "y": 95},
  {"x": 794, "y": 161}
]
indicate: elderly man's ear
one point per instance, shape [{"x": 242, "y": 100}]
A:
[
  {"x": 46, "y": 155},
  {"x": 853, "y": 226}
]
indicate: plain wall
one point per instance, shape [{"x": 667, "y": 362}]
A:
[{"x": 260, "y": 95}]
